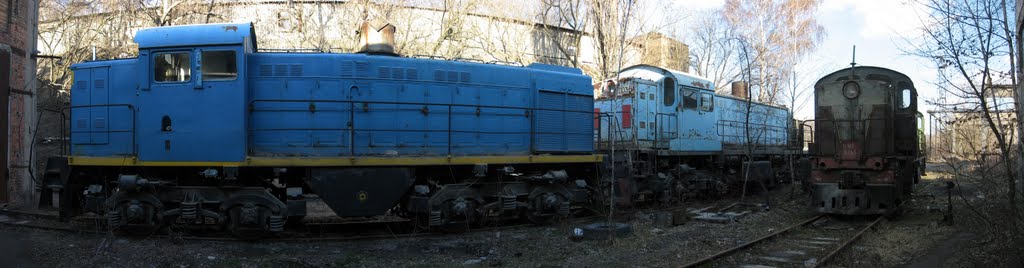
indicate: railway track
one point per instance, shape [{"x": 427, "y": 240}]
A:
[
  {"x": 315, "y": 232},
  {"x": 809, "y": 243}
]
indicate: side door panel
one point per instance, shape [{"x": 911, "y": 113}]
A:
[{"x": 98, "y": 119}]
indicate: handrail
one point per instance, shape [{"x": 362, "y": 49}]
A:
[
  {"x": 673, "y": 118},
  {"x": 600, "y": 126},
  {"x": 768, "y": 130},
  {"x": 69, "y": 108}
]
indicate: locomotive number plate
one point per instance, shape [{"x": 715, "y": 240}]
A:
[{"x": 850, "y": 150}]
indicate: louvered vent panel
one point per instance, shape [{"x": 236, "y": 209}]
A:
[
  {"x": 411, "y": 74},
  {"x": 465, "y": 77},
  {"x": 266, "y": 70},
  {"x": 280, "y": 70},
  {"x": 99, "y": 84},
  {"x": 82, "y": 85},
  {"x": 362, "y": 69},
  {"x": 438, "y": 75},
  {"x": 100, "y": 123},
  {"x": 383, "y": 72},
  {"x": 347, "y": 69},
  {"x": 296, "y": 70},
  {"x": 398, "y": 73},
  {"x": 453, "y": 76}
]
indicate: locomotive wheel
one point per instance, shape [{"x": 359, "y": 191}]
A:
[
  {"x": 134, "y": 214},
  {"x": 248, "y": 222},
  {"x": 546, "y": 208},
  {"x": 674, "y": 194},
  {"x": 458, "y": 215},
  {"x": 253, "y": 216}
]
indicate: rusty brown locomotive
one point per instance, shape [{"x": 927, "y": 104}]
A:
[{"x": 866, "y": 154}]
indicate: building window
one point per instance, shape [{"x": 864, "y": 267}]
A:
[
  {"x": 219, "y": 65},
  {"x": 172, "y": 67}
]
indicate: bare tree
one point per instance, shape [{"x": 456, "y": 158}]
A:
[
  {"x": 505, "y": 38},
  {"x": 562, "y": 24},
  {"x": 773, "y": 35},
  {"x": 972, "y": 45},
  {"x": 713, "y": 50},
  {"x": 174, "y": 12},
  {"x": 779, "y": 33}
]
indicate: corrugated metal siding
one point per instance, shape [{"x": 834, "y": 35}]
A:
[
  {"x": 550, "y": 123},
  {"x": 579, "y": 123}
]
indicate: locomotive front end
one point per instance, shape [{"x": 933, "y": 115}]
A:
[{"x": 866, "y": 154}]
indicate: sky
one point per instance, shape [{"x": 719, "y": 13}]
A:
[{"x": 877, "y": 27}]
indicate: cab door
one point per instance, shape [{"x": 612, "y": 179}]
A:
[
  {"x": 696, "y": 121},
  {"x": 193, "y": 107},
  {"x": 646, "y": 107}
]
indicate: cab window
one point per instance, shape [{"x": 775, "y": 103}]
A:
[
  {"x": 690, "y": 98},
  {"x": 707, "y": 102},
  {"x": 667, "y": 88},
  {"x": 219, "y": 65},
  {"x": 906, "y": 97},
  {"x": 172, "y": 67}
]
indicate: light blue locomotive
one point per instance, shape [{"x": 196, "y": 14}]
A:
[
  {"x": 660, "y": 125},
  {"x": 204, "y": 130}
]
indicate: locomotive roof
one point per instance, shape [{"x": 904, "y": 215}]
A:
[
  {"x": 655, "y": 73},
  {"x": 196, "y": 35},
  {"x": 862, "y": 70}
]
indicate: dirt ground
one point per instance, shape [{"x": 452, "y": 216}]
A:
[
  {"x": 918, "y": 238},
  {"x": 925, "y": 236}
]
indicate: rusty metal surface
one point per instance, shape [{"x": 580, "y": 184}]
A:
[{"x": 866, "y": 199}]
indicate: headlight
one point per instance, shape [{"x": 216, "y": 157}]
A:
[{"x": 851, "y": 90}]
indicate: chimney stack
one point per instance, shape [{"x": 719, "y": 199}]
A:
[
  {"x": 739, "y": 89},
  {"x": 376, "y": 41}
]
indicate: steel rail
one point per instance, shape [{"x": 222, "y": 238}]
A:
[
  {"x": 751, "y": 243},
  {"x": 847, "y": 243}
]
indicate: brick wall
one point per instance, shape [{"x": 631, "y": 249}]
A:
[{"x": 14, "y": 29}]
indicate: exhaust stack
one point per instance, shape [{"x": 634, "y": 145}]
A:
[
  {"x": 376, "y": 41},
  {"x": 739, "y": 89}
]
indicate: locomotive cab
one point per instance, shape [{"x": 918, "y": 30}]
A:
[{"x": 202, "y": 69}]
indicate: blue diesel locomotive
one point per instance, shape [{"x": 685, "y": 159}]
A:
[{"x": 204, "y": 130}]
